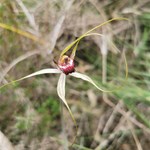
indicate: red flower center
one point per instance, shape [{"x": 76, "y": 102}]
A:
[{"x": 66, "y": 64}]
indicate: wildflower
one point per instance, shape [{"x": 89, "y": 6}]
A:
[{"x": 65, "y": 66}]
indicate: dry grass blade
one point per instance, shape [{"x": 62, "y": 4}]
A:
[
  {"x": 138, "y": 144},
  {"x": 54, "y": 35},
  {"x": 29, "y": 16},
  {"x": 16, "y": 61},
  {"x": 25, "y": 34}
]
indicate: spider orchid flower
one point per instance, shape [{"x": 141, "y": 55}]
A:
[{"x": 65, "y": 66}]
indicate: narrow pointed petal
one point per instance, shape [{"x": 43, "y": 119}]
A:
[
  {"x": 61, "y": 94},
  {"x": 88, "y": 79},
  {"x": 43, "y": 71},
  {"x": 61, "y": 88},
  {"x": 88, "y": 33}
]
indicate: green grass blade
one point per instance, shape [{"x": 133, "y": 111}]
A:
[{"x": 23, "y": 33}]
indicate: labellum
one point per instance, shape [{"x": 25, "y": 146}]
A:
[{"x": 66, "y": 64}]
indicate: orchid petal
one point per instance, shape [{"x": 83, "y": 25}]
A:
[
  {"x": 61, "y": 88},
  {"x": 77, "y": 43},
  {"x": 43, "y": 71},
  {"x": 88, "y": 79},
  {"x": 61, "y": 94},
  {"x": 87, "y": 34}
]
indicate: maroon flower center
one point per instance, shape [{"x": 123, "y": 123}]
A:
[{"x": 66, "y": 64}]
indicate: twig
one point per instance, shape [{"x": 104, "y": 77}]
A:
[
  {"x": 139, "y": 147},
  {"x": 133, "y": 120},
  {"x": 137, "y": 142},
  {"x": 110, "y": 121},
  {"x": 104, "y": 144}
]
